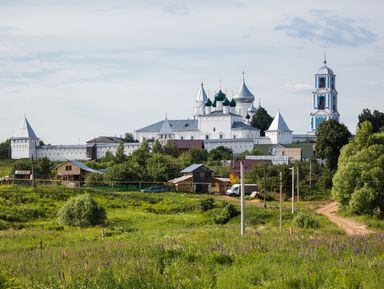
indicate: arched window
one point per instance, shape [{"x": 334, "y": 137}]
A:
[
  {"x": 214, "y": 129},
  {"x": 321, "y": 102}
]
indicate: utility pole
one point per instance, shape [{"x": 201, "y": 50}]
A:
[
  {"x": 297, "y": 183},
  {"x": 310, "y": 175},
  {"x": 281, "y": 201},
  {"x": 293, "y": 189},
  {"x": 242, "y": 204},
  {"x": 265, "y": 193}
]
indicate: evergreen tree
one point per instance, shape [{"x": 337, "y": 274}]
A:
[
  {"x": 261, "y": 120},
  {"x": 120, "y": 156},
  {"x": 44, "y": 168},
  {"x": 331, "y": 137}
]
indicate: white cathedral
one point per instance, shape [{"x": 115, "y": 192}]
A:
[{"x": 218, "y": 122}]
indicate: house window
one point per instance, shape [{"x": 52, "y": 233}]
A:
[
  {"x": 68, "y": 168},
  {"x": 206, "y": 136}
]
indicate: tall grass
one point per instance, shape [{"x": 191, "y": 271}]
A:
[{"x": 168, "y": 241}]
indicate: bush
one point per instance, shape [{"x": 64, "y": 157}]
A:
[
  {"x": 94, "y": 179},
  {"x": 206, "y": 204},
  {"x": 228, "y": 212},
  {"x": 306, "y": 220},
  {"x": 82, "y": 211}
]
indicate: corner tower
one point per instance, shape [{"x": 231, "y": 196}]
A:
[
  {"x": 24, "y": 142},
  {"x": 324, "y": 103}
]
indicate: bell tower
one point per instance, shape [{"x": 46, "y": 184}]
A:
[{"x": 324, "y": 103}]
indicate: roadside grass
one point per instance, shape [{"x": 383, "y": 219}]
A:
[{"x": 166, "y": 240}]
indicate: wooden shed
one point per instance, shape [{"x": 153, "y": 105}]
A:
[
  {"x": 196, "y": 178},
  {"x": 72, "y": 173}
]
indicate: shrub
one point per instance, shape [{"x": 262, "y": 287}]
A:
[
  {"x": 306, "y": 220},
  {"x": 228, "y": 212},
  {"x": 94, "y": 179},
  {"x": 82, "y": 211},
  {"x": 206, "y": 204}
]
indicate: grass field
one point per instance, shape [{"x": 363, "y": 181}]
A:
[{"x": 170, "y": 240}]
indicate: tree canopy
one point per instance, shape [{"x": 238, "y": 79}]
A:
[
  {"x": 359, "y": 181},
  {"x": 5, "y": 149},
  {"x": 261, "y": 120},
  {"x": 376, "y": 118},
  {"x": 331, "y": 137}
]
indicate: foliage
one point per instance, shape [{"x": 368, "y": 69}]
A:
[
  {"x": 5, "y": 149},
  {"x": 206, "y": 204},
  {"x": 261, "y": 120},
  {"x": 331, "y": 137},
  {"x": 120, "y": 156},
  {"x": 170, "y": 148},
  {"x": 162, "y": 167},
  {"x": 271, "y": 179},
  {"x": 180, "y": 248},
  {"x": 193, "y": 156},
  {"x": 128, "y": 137},
  {"x": 44, "y": 168},
  {"x": 108, "y": 157},
  {"x": 94, "y": 179},
  {"x": 82, "y": 211},
  {"x": 123, "y": 172},
  {"x": 376, "y": 118},
  {"x": 306, "y": 220},
  {"x": 157, "y": 148},
  {"x": 359, "y": 179},
  {"x": 219, "y": 154},
  {"x": 23, "y": 164},
  {"x": 226, "y": 213}
]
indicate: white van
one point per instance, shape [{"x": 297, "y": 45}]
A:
[{"x": 236, "y": 188}]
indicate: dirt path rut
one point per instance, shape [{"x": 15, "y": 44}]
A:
[{"x": 351, "y": 227}]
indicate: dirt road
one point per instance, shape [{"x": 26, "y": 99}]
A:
[{"x": 351, "y": 227}]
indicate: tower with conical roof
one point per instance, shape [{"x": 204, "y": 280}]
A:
[
  {"x": 278, "y": 131},
  {"x": 324, "y": 103},
  {"x": 165, "y": 133},
  {"x": 244, "y": 99},
  {"x": 24, "y": 142},
  {"x": 200, "y": 101}
]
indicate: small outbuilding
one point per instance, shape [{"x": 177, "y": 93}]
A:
[
  {"x": 196, "y": 178},
  {"x": 72, "y": 173}
]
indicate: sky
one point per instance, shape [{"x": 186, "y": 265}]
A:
[{"x": 81, "y": 69}]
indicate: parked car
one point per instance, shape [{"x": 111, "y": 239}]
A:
[{"x": 154, "y": 190}]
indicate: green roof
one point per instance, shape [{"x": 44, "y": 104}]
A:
[
  {"x": 232, "y": 103},
  {"x": 220, "y": 96},
  {"x": 226, "y": 102},
  {"x": 208, "y": 102}
]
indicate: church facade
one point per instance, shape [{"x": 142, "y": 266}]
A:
[{"x": 219, "y": 121}]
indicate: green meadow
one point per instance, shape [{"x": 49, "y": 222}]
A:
[{"x": 174, "y": 240}]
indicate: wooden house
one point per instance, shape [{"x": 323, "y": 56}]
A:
[{"x": 72, "y": 173}]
